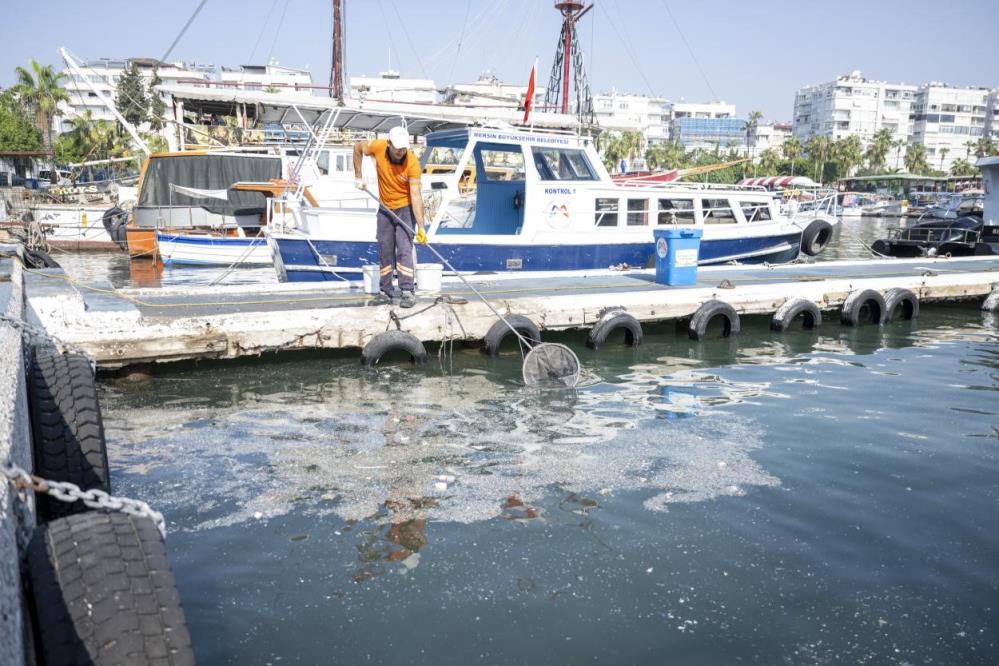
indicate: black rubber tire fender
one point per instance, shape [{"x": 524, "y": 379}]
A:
[
  {"x": 861, "y": 306},
  {"x": 811, "y": 315},
  {"x": 611, "y": 322},
  {"x": 111, "y": 216},
  {"x": 67, "y": 429},
  {"x": 816, "y": 237},
  {"x": 882, "y": 246},
  {"x": 391, "y": 341},
  {"x": 36, "y": 258},
  {"x": 699, "y": 322},
  {"x": 498, "y": 332},
  {"x": 102, "y": 593},
  {"x": 908, "y": 300}
]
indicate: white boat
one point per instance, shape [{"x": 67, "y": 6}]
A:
[
  {"x": 204, "y": 249},
  {"x": 518, "y": 200}
]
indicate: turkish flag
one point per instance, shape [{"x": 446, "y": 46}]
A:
[{"x": 529, "y": 97}]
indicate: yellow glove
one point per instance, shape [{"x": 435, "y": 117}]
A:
[{"x": 421, "y": 236}]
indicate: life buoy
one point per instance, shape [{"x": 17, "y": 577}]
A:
[
  {"x": 612, "y": 321},
  {"x": 391, "y": 341},
  {"x": 863, "y": 306},
  {"x": 901, "y": 297},
  {"x": 815, "y": 237},
  {"x": 811, "y": 316},
  {"x": 699, "y": 322},
  {"x": 499, "y": 331}
]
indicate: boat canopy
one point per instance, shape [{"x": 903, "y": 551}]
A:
[{"x": 773, "y": 182}]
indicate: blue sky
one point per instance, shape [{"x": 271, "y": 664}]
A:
[{"x": 753, "y": 54}]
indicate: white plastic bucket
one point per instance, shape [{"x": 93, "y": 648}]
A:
[
  {"x": 371, "y": 279},
  {"x": 429, "y": 277}
]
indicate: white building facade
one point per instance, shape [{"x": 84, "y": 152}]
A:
[
  {"x": 771, "y": 136},
  {"x": 272, "y": 76},
  {"x": 389, "y": 86},
  {"x": 948, "y": 121},
  {"x": 650, "y": 116},
  {"x": 853, "y": 105},
  {"x": 104, "y": 74}
]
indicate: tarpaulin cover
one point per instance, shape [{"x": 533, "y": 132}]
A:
[{"x": 208, "y": 172}]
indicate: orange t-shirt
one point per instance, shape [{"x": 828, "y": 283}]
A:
[{"x": 393, "y": 179}]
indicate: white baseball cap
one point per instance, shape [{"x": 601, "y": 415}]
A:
[{"x": 398, "y": 138}]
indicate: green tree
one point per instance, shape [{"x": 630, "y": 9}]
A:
[
  {"x": 818, "y": 154},
  {"x": 985, "y": 146},
  {"x": 792, "y": 150},
  {"x": 752, "y": 122},
  {"x": 130, "y": 96},
  {"x": 38, "y": 90},
  {"x": 17, "y": 132},
  {"x": 666, "y": 156},
  {"x": 157, "y": 107},
  {"x": 849, "y": 152},
  {"x": 915, "y": 159},
  {"x": 943, "y": 155},
  {"x": 877, "y": 150},
  {"x": 962, "y": 167},
  {"x": 898, "y": 146},
  {"x": 769, "y": 162}
]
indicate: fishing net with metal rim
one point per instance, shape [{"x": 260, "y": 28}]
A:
[{"x": 551, "y": 364}]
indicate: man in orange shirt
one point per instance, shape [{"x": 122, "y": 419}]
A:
[{"x": 399, "y": 190}]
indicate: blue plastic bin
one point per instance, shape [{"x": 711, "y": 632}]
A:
[{"x": 677, "y": 251}]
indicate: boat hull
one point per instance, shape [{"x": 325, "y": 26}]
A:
[
  {"x": 297, "y": 261},
  {"x": 205, "y": 250}
]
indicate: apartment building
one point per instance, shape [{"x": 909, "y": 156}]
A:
[
  {"x": 772, "y": 136},
  {"x": 708, "y": 126},
  {"x": 948, "y": 121},
  {"x": 104, "y": 73},
  {"x": 621, "y": 112},
  {"x": 272, "y": 76},
  {"x": 389, "y": 86},
  {"x": 852, "y": 104}
]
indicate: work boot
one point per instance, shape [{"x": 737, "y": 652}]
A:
[
  {"x": 381, "y": 299},
  {"x": 407, "y": 300}
]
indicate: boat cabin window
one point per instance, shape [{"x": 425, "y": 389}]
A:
[
  {"x": 562, "y": 164},
  {"x": 756, "y": 211},
  {"x": 638, "y": 212},
  {"x": 606, "y": 215},
  {"x": 503, "y": 164},
  {"x": 441, "y": 159},
  {"x": 676, "y": 211},
  {"x": 717, "y": 211}
]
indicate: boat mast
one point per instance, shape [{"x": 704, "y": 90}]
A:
[
  {"x": 568, "y": 58},
  {"x": 336, "y": 70}
]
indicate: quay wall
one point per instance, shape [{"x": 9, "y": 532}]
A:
[{"x": 15, "y": 446}]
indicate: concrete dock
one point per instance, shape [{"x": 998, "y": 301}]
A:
[{"x": 118, "y": 327}]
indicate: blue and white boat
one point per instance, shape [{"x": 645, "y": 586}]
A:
[{"x": 521, "y": 200}]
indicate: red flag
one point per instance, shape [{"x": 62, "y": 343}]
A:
[{"x": 529, "y": 97}]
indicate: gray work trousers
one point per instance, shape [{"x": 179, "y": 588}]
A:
[{"x": 395, "y": 249}]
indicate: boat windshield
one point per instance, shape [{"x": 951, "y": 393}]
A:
[{"x": 441, "y": 159}]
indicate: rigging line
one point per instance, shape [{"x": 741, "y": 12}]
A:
[
  {"x": 262, "y": 29},
  {"x": 405, "y": 32},
  {"x": 182, "y": 31},
  {"x": 473, "y": 25},
  {"x": 277, "y": 33},
  {"x": 693, "y": 57},
  {"x": 392, "y": 49},
  {"x": 627, "y": 48},
  {"x": 461, "y": 35}
]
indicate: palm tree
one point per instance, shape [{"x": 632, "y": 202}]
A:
[
  {"x": 962, "y": 167},
  {"x": 849, "y": 151},
  {"x": 985, "y": 146},
  {"x": 943, "y": 155},
  {"x": 769, "y": 161},
  {"x": 752, "y": 122},
  {"x": 878, "y": 149},
  {"x": 968, "y": 147},
  {"x": 915, "y": 159},
  {"x": 898, "y": 146},
  {"x": 38, "y": 90},
  {"x": 792, "y": 150},
  {"x": 818, "y": 153}
]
